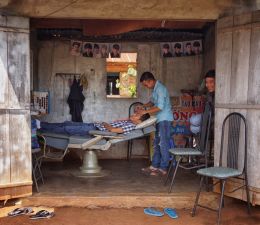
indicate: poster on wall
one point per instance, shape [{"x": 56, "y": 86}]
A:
[
  {"x": 87, "y": 49},
  {"x": 187, "y": 45},
  {"x": 115, "y": 50},
  {"x": 96, "y": 50},
  {"x": 197, "y": 47},
  {"x": 166, "y": 50},
  {"x": 177, "y": 49},
  {"x": 104, "y": 50},
  {"x": 75, "y": 48}
]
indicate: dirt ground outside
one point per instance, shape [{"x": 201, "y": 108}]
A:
[{"x": 233, "y": 214}]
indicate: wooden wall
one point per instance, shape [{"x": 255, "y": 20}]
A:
[
  {"x": 15, "y": 134},
  {"x": 238, "y": 87}
]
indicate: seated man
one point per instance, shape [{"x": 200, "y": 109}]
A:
[{"x": 123, "y": 126}]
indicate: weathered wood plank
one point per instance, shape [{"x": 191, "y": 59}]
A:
[
  {"x": 244, "y": 87},
  {"x": 5, "y": 166},
  {"x": 220, "y": 115},
  {"x": 223, "y": 67},
  {"x": 3, "y": 71},
  {"x": 17, "y": 22},
  {"x": 19, "y": 70},
  {"x": 237, "y": 106},
  {"x": 254, "y": 68},
  {"x": 15, "y": 192},
  {"x": 225, "y": 22},
  {"x": 240, "y": 66},
  {"x": 242, "y": 19},
  {"x": 2, "y": 20},
  {"x": 20, "y": 146},
  {"x": 253, "y": 120},
  {"x": 256, "y": 16}
]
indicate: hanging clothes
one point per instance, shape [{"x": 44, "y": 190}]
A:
[{"x": 75, "y": 101}]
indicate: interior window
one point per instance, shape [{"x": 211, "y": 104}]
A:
[{"x": 122, "y": 76}]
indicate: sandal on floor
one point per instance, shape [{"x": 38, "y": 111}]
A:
[
  {"x": 42, "y": 214},
  {"x": 149, "y": 169},
  {"x": 153, "y": 212},
  {"x": 20, "y": 211},
  {"x": 171, "y": 213}
]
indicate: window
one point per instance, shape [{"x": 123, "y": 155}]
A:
[{"x": 122, "y": 76}]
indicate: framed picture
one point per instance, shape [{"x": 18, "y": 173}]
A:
[
  {"x": 87, "y": 49},
  {"x": 187, "y": 46},
  {"x": 75, "y": 48},
  {"x": 197, "y": 47},
  {"x": 104, "y": 50},
  {"x": 177, "y": 49},
  {"x": 166, "y": 50},
  {"x": 115, "y": 50}
]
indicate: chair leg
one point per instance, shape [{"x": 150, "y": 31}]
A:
[
  {"x": 197, "y": 197},
  {"x": 174, "y": 174},
  {"x": 34, "y": 167},
  {"x": 129, "y": 150},
  {"x": 148, "y": 147},
  {"x": 221, "y": 200},
  {"x": 169, "y": 172},
  {"x": 39, "y": 169},
  {"x": 247, "y": 196}
]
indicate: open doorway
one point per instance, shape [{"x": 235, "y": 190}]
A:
[{"x": 179, "y": 56}]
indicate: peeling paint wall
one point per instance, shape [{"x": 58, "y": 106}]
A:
[{"x": 54, "y": 58}]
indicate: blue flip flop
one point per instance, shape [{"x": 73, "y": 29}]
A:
[
  {"x": 171, "y": 213},
  {"x": 153, "y": 212}
]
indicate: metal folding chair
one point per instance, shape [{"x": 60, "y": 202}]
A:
[
  {"x": 199, "y": 153},
  {"x": 36, "y": 167},
  {"x": 232, "y": 161}
]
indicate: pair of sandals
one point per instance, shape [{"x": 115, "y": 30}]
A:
[
  {"x": 152, "y": 171},
  {"x": 168, "y": 211},
  {"x": 42, "y": 214}
]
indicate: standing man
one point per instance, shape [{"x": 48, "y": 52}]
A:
[{"x": 160, "y": 106}]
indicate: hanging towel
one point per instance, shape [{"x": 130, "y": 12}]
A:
[{"x": 75, "y": 101}]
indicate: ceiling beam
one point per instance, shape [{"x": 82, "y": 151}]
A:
[{"x": 122, "y": 9}]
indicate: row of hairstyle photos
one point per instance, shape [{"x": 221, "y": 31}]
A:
[
  {"x": 95, "y": 50},
  {"x": 178, "y": 49}
]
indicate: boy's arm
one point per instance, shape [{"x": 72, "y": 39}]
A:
[{"x": 113, "y": 129}]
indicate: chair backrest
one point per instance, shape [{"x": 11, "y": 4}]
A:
[
  {"x": 234, "y": 142},
  {"x": 205, "y": 128},
  {"x": 132, "y": 106}
]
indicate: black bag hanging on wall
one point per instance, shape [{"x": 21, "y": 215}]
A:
[{"x": 75, "y": 101}]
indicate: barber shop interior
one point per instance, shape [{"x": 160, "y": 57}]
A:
[
  {"x": 112, "y": 99},
  {"x": 137, "y": 104}
]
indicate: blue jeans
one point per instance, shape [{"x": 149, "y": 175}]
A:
[
  {"x": 161, "y": 155},
  {"x": 67, "y": 127}
]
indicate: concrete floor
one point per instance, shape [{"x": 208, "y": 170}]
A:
[
  {"x": 123, "y": 178},
  {"x": 124, "y": 187}
]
